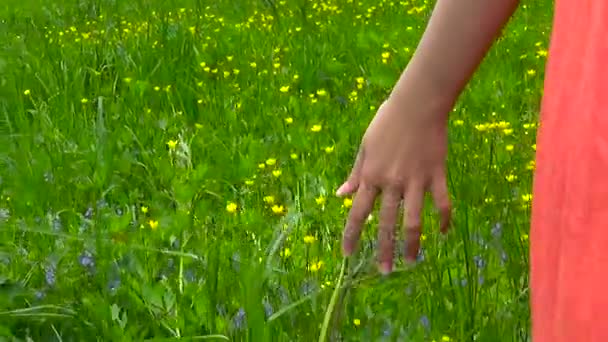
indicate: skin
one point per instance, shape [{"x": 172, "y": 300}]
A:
[{"x": 403, "y": 151}]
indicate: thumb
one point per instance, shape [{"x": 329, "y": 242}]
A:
[{"x": 352, "y": 183}]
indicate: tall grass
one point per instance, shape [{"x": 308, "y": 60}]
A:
[{"x": 167, "y": 171}]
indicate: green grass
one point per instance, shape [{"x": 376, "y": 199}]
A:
[{"x": 127, "y": 129}]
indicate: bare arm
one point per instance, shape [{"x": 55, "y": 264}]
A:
[{"x": 457, "y": 38}]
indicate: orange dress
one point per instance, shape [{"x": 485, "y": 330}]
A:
[{"x": 569, "y": 228}]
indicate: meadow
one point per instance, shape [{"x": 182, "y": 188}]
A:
[{"x": 168, "y": 170}]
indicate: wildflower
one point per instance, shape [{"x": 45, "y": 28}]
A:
[
  {"x": 153, "y": 224},
  {"x": 284, "y": 89},
  {"x": 286, "y": 252},
  {"x": 329, "y": 149},
  {"x": 509, "y": 148},
  {"x": 84, "y": 100},
  {"x": 320, "y": 200},
  {"x": 261, "y": 165},
  {"x": 458, "y": 122},
  {"x": 278, "y": 209},
  {"x": 309, "y": 239},
  {"x": 293, "y": 156},
  {"x": 269, "y": 199},
  {"x": 289, "y": 120},
  {"x": 231, "y": 207},
  {"x": 357, "y": 322},
  {"x": 248, "y": 182},
  {"x": 321, "y": 92},
  {"x": 27, "y": 92},
  {"x": 316, "y": 128},
  {"x": 276, "y": 173},
  {"x": 314, "y": 267},
  {"x": 348, "y": 202},
  {"x": 271, "y": 161},
  {"x": 172, "y": 144},
  {"x": 511, "y": 177},
  {"x": 144, "y": 209}
]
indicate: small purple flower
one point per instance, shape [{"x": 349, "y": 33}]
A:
[
  {"x": 479, "y": 261},
  {"x": 240, "y": 319},
  {"x": 424, "y": 321},
  {"x": 89, "y": 213},
  {"x": 86, "y": 260},
  {"x": 268, "y": 310},
  {"x": 49, "y": 275},
  {"x": 497, "y": 230}
]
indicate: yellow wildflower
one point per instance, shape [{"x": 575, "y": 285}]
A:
[{"x": 231, "y": 207}]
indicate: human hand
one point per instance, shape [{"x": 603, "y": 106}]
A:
[{"x": 401, "y": 157}]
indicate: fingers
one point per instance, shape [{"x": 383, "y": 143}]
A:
[
  {"x": 363, "y": 204},
  {"x": 441, "y": 197},
  {"x": 413, "y": 204},
  {"x": 352, "y": 183},
  {"x": 386, "y": 229}
]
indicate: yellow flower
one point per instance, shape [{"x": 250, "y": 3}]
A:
[
  {"x": 278, "y": 209},
  {"x": 289, "y": 120},
  {"x": 526, "y": 197},
  {"x": 445, "y": 338},
  {"x": 172, "y": 144},
  {"x": 231, "y": 207},
  {"x": 261, "y": 165},
  {"x": 508, "y": 131},
  {"x": 276, "y": 173},
  {"x": 293, "y": 156},
  {"x": 284, "y": 89},
  {"x": 27, "y": 92},
  {"x": 357, "y": 322},
  {"x": 271, "y": 161},
  {"x": 321, "y": 92},
  {"x": 248, "y": 182},
  {"x": 309, "y": 239},
  {"x": 286, "y": 252},
  {"x": 84, "y": 100},
  {"x": 316, "y": 128},
  {"x": 386, "y": 55},
  {"x": 144, "y": 209},
  {"x": 348, "y": 202},
  {"x": 269, "y": 199},
  {"x": 320, "y": 200},
  {"x": 509, "y": 148},
  {"x": 458, "y": 122},
  {"x": 314, "y": 267},
  {"x": 511, "y": 178},
  {"x": 153, "y": 224},
  {"x": 329, "y": 149}
]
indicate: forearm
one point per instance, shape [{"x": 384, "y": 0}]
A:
[{"x": 458, "y": 36}]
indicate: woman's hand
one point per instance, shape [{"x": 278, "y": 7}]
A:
[{"x": 401, "y": 157}]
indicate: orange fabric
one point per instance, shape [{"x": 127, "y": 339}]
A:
[{"x": 569, "y": 228}]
